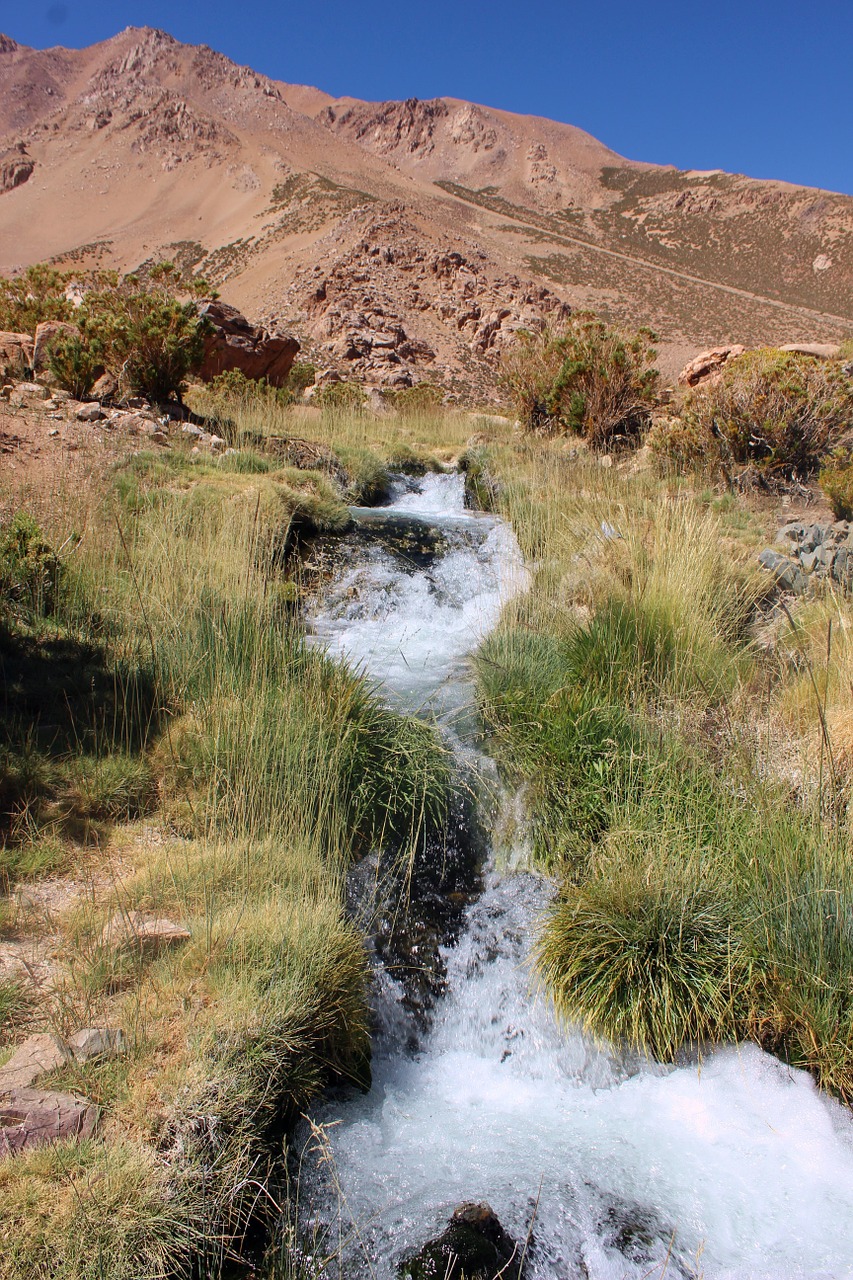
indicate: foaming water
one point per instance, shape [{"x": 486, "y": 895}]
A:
[
  {"x": 410, "y": 618},
  {"x": 609, "y": 1168}
]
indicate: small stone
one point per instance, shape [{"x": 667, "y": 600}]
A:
[
  {"x": 34, "y": 1058},
  {"x": 90, "y": 413},
  {"x": 95, "y": 1042},
  {"x": 148, "y": 933},
  {"x": 54, "y": 431},
  {"x": 32, "y": 390},
  {"x": 216, "y": 443},
  {"x": 189, "y": 429},
  {"x": 808, "y": 560},
  {"x": 33, "y": 1117}
]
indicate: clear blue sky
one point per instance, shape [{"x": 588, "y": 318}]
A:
[{"x": 763, "y": 87}]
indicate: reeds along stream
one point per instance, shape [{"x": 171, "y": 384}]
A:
[{"x": 608, "y": 1167}]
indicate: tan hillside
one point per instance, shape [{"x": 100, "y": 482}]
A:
[{"x": 399, "y": 240}]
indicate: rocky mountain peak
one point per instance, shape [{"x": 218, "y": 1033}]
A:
[{"x": 7, "y": 44}]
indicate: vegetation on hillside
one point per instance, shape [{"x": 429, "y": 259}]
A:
[
  {"x": 144, "y": 330},
  {"x": 778, "y": 411},
  {"x": 586, "y": 378}
]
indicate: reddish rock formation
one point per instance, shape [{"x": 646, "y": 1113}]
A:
[
  {"x": 32, "y": 1117},
  {"x": 16, "y": 354},
  {"x": 708, "y": 363},
  {"x": 234, "y": 343},
  {"x": 16, "y": 168}
]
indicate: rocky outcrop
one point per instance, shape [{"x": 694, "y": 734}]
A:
[
  {"x": 811, "y": 552},
  {"x": 394, "y": 304},
  {"x": 16, "y": 168},
  {"x": 16, "y": 354},
  {"x": 474, "y": 1246},
  {"x": 707, "y": 364},
  {"x": 235, "y": 343}
]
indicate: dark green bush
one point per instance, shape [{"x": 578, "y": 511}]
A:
[
  {"x": 587, "y": 378},
  {"x": 76, "y": 365},
  {"x": 30, "y": 570},
  {"x": 38, "y": 294}
]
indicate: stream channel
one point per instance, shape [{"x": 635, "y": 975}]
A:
[{"x": 608, "y": 1166}]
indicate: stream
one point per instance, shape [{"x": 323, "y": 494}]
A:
[{"x": 611, "y": 1168}]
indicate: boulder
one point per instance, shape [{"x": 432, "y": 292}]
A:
[
  {"x": 707, "y": 364},
  {"x": 234, "y": 343},
  {"x": 132, "y": 929},
  {"x": 34, "y": 1058},
  {"x": 787, "y": 572},
  {"x": 32, "y": 1117},
  {"x": 90, "y": 412},
  {"x": 95, "y": 1042},
  {"x": 16, "y": 168},
  {"x": 46, "y": 334},
  {"x": 16, "y": 354},
  {"x": 474, "y": 1245},
  {"x": 822, "y": 350},
  {"x": 105, "y": 387}
]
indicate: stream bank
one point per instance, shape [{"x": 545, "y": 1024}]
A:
[{"x": 606, "y": 1165}]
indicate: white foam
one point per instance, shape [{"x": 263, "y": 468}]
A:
[{"x": 735, "y": 1170}]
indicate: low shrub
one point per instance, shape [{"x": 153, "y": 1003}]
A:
[
  {"x": 31, "y": 573},
  {"x": 779, "y": 409},
  {"x": 648, "y": 964},
  {"x": 836, "y": 480},
  {"x": 423, "y": 397},
  {"x": 76, "y": 365},
  {"x": 682, "y": 445},
  {"x": 587, "y": 378},
  {"x": 37, "y": 295},
  {"x": 340, "y": 396}
]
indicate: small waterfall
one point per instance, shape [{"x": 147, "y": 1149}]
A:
[{"x": 611, "y": 1168}]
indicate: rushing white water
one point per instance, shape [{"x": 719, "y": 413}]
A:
[
  {"x": 732, "y": 1169},
  {"x": 412, "y": 630}
]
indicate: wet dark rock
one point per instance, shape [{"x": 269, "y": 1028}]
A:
[
  {"x": 411, "y": 913},
  {"x": 415, "y": 542},
  {"x": 474, "y": 1245}
]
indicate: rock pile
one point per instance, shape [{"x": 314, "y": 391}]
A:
[
  {"x": 133, "y": 417},
  {"x": 811, "y": 552},
  {"x": 387, "y": 305},
  {"x": 32, "y": 1117}
]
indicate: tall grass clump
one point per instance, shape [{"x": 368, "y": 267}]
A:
[
  {"x": 700, "y": 898},
  {"x": 269, "y": 768}
]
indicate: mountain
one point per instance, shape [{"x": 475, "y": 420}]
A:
[{"x": 400, "y": 240}]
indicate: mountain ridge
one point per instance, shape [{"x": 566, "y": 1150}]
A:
[{"x": 142, "y": 147}]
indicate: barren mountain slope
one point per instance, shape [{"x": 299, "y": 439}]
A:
[{"x": 342, "y": 218}]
